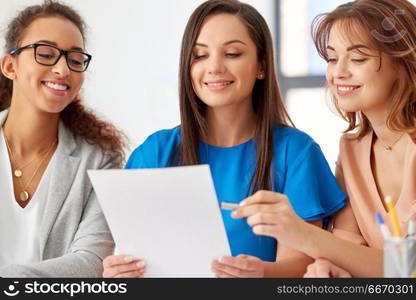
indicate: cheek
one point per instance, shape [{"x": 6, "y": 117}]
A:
[
  {"x": 195, "y": 72},
  {"x": 247, "y": 74},
  {"x": 328, "y": 74},
  {"x": 252, "y": 70},
  {"x": 28, "y": 71},
  {"x": 78, "y": 81}
]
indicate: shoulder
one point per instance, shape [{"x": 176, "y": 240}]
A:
[
  {"x": 351, "y": 143},
  {"x": 91, "y": 156},
  {"x": 349, "y": 139},
  {"x": 155, "y": 151},
  {"x": 292, "y": 143},
  {"x": 164, "y": 136},
  {"x": 290, "y": 137}
]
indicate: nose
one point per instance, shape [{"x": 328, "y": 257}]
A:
[
  {"x": 61, "y": 67},
  {"x": 340, "y": 69},
  {"x": 215, "y": 65}
]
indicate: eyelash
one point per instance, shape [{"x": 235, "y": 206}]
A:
[
  {"x": 197, "y": 57},
  {"x": 359, "y": 60},
  {"x": 333, "y": 60},
  {"x": 230, "y": 55},
  {"x": 233, "y": 55}
]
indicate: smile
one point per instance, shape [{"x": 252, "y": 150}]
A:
[
  {"x": 55, "y": 86},
  {"x": 220, "y": 83},
  {"x": 344, "y": 90}
]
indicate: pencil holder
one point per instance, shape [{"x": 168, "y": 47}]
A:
[{"x": 400, "y": 257}]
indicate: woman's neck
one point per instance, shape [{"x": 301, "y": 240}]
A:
[
  {"x": 378, "y": 123},
  {"x": 28, "y": 130},
  {"x": 228, "y": 127}
]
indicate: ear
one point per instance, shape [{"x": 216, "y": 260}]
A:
[
  {"x": 261, "y": 71},
  {"x": 8, "y": 66}
]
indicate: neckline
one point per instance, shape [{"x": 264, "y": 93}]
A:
[
  {"x": 10, "y": 176},
  {"x": 373, "y": 184},
  {"x": 249, "y": 141}
]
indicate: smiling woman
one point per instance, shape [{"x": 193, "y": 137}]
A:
[
  {"x": 233, "y": 118},
  {"x": 369, "y": 46},
  {"x": 214, "y": 54},
  {"x": 58, "y": 229}
]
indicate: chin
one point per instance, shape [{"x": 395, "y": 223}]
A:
[
  {"x": 218, "y": 102},
  {"x": 349, "y": 108},
  {"x": 54, "y": 108}
]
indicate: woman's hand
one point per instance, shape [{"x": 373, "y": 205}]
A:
[
  {"x": 238, "y": 267},
  {"x": 323, "y": 268},
  {"x": 123, "y": 266},
  {"x": 271, "y": 214}
]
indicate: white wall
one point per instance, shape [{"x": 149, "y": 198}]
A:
[{"x": 132, "y": 80}]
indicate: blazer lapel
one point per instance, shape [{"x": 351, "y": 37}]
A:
[{"x": 62, "y": 177}]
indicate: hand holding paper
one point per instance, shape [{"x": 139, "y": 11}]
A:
[{"x": 169, "y": 217}]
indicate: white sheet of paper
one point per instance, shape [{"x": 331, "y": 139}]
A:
[{"x": 169, "y": 217}]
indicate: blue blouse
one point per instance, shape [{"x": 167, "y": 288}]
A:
[{"x": 299, "y": 170}]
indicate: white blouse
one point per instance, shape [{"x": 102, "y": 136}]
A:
[{"x": 19, "y": 227}]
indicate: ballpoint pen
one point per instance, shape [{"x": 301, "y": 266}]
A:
[
  {"x": 383, "y": 228},
  {"x": 229, "y": 205}
]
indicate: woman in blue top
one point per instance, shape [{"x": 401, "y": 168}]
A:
[{"x": 233, "y": 118}]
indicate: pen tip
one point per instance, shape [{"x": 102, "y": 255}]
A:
[{"x": 387, "y": 199}]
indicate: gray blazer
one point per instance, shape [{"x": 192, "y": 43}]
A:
[{"x": 74, "y": 235}]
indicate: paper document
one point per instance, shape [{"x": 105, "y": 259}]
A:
[{"x": 169, "y": 217}]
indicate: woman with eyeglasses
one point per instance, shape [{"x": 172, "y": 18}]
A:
[
  {"x": 369, "y": 46},
  {"x": 51, "y": 224},
  {"x": 233, "y": 118}
]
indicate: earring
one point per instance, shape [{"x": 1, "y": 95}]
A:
[{"x": 260, "y": 75}]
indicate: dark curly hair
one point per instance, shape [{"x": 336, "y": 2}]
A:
[{"x": 81, "y": 120}]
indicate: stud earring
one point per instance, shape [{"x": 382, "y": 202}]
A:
[{"x": 260, "y": 76}]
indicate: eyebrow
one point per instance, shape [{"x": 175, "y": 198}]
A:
[
  {"x": 350, "y": 48},
  {"x": 56, "y": 45},
  {"x": 225, "y": 44}
]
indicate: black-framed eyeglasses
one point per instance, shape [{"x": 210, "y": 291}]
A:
[{"x": 48, "y": 55}]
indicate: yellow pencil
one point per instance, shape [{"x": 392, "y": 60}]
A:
[{"x": 393, "y": 216}]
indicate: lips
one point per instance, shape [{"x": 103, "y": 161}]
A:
[
  {"x": 343, "y": 89},
  {"x": 218, "y": 83},
  {"x": 58, "y": 86}
]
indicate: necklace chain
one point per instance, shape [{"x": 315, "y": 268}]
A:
[
  {"x": 389, "y": 147},
  {"x": 24, "y": 194},
  {"x": 18, "y": 170}
]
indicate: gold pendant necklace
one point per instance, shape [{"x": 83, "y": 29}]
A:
[
  {"x": 18, "y": 172},
  {"x": 24, "y": 194},
  {"x": 389, "y": 147}
]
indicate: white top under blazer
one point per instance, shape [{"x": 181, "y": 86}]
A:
[{"x": 19, "y": 227}]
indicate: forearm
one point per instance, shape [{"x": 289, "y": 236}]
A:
[
  {"x": 360, "y": 261},
  {"x": 81, "y": 264},
  {"x": 287, "y": 267}
]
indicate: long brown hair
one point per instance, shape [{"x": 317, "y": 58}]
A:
[
  {"x": 79, "y": 119},
  {"x": 376, "y": 17},
  {"x": 267, "y": 101}
]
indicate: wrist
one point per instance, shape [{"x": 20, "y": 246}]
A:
[{"x": 309, "y": 245}]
